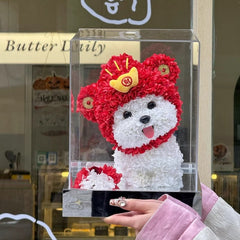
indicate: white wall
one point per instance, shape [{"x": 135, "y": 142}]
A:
[{"x": 202, "y": 25}]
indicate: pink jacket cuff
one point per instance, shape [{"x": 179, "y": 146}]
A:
[
  {"x": 209, "y": 198},
  {"x": 173, "y": 220}
]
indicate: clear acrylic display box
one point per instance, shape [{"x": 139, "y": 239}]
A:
[{"x": 90, "y": 50}]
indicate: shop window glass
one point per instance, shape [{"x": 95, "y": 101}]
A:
[
  {"x": 226, "y": 107},
  {"x": 33, "y": 136},
  {"x": 69, "y": 15}
]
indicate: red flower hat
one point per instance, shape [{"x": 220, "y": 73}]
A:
[{"x": 123, "y": 79}]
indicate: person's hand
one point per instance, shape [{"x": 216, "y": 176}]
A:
[{"x": 140, "y": 211}]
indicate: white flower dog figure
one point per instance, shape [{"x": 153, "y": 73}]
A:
[{"x": 138, "y": 108}]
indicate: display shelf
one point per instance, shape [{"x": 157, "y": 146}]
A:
[
  {"x": 89, "y": 232},
  {"x": 92, "y": 238}
]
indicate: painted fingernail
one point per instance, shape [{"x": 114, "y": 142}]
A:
[
  {"x": 119, "y": 202},
  {"x": 112, "y": 202}
]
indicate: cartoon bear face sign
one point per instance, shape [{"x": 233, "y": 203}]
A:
[
  {"x": 138, "y": 108},
  {"x": 119, "y": 11}
]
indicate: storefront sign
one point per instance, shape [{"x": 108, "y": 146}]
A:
[
  {"x": 35, "y": 48},
  {"x": 54, "y": 48}
]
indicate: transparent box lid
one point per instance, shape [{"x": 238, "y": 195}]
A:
[{"x": 134, "y": 110}]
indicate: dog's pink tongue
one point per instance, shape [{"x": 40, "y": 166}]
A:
[{"x": 148, "y": 132}]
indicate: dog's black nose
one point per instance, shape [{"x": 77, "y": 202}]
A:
[{"x": 145, "y": 119}]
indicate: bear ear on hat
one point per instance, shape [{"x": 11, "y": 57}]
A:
[
  {"x": 166, "y": 66},
  {"x": 85, "y": 102}
]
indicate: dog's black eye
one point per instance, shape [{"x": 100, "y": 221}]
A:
[
  {"x": 127, "y": 114},
  {"x": 151, "y": 105}
]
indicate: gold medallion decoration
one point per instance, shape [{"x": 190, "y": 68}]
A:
[
  {"x": 88, "y": 102},
  {"x": 164, "y": 69}
]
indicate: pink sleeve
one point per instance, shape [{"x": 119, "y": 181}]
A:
[
  {"x": 176, "y": 220},
  {"x": 173, "y": 220},
  {"x": 209, "y": 198}
]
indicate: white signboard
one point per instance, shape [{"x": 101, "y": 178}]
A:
[
  {"x": 35, "y": 48},
  {"x": 54, "y": 48}
]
